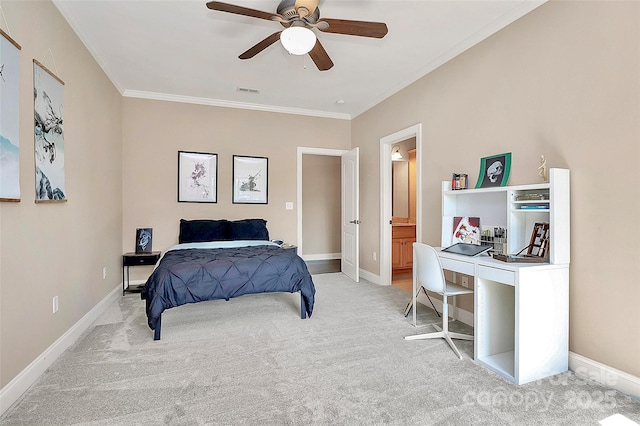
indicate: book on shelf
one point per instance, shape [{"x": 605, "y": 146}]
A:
[
  {"x": 459, "y": 181},
  {"x": 531, "y": 197},
  {"x": 534, "y": 207}
]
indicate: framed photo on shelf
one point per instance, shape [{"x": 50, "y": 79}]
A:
[
  {"x": 197, "y": 177},
  {"x": 250, "y": 180},
  {"x": 494, "y": 170}
]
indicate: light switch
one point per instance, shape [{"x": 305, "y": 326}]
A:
[{"x": 288, "y": 205}]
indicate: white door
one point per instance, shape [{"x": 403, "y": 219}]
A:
[{"x": 350, "y": 261}]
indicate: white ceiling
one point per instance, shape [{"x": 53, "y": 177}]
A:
[{"x": 182, "y": 51}]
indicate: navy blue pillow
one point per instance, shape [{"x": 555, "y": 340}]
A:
[
  {"x": 202, "y": 230},
  {"x": 249, "y": 229}
]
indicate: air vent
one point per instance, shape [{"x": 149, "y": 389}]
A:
[{"x": 247, "y": 90}]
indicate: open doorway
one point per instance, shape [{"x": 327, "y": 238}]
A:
[
  {"x": 403, "y": 212},
  {"x": 387, "y": 144},
  {"x": 322, "y": 200}
]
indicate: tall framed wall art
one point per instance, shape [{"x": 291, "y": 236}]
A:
[
  {"x": 9, "y": 126},
  {"x": 49, "y": 135},
  {"x": 197, "y": 177}
]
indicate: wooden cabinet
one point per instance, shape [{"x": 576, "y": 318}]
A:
[{"x": 403, "y": 236}]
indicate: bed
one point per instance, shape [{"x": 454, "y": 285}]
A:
[{"x": 221, "y": 259}]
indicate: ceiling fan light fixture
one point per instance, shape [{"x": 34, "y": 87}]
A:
[{"x": 298, "y": 40}]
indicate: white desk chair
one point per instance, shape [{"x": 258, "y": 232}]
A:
[{"x": 427, "y": 273}]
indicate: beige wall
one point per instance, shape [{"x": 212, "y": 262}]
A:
[
  {"x": 59, "y": 249},
  {"x": 562, "y": 81},
  {"x": 321, "y": 206},
  {"x": 154, "y": 132}
]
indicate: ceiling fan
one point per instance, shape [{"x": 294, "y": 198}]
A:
[{"x": 299, "y": 18}]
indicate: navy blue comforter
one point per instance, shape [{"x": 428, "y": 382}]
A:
[{"x": 194, "y": 275}]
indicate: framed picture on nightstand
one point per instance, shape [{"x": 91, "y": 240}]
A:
[{"x": 144, "y": 238}]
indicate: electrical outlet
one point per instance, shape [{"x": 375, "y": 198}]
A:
[
  {"x": 104, "y": 273},
  {"x": 464, "y": 280},
  {"x": 55, "y": 304},
  {"x": 374, "y": 255}
]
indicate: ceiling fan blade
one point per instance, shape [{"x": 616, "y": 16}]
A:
[
  {"x": 261, "y": 46},
  {"x": 356, "y": 28},
  {"x": 239, "y": 10},
  {"x": 321, "y": 57}
]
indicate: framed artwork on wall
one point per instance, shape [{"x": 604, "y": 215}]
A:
[
  {"x": 48, "y": 92},
  {"x": 197, "y": 177},
  {"x": 250, "y": 180},
  {"x": 494, "y": 170},
  {"x": 9, "y": 119}
]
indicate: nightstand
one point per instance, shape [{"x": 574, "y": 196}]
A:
[
  {"x": 289, "y": 247},
  {"x": 136, "y": 259}
]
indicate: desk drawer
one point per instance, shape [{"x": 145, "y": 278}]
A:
[
  {"x": 497, "y": 274},
  {"x": 457, "y": 266}
]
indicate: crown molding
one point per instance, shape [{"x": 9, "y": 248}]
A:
[{"x": 231, "y": 104}]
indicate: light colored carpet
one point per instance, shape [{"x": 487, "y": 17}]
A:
[{"x": 253, "y": 361}]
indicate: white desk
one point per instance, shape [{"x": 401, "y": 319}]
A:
[{"x": 521, "y": 315}]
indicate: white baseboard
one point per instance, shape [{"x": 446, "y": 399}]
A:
[
  {"x": 322, "y": 256},
  {"x": 13, "y": 390},
  {"x": 605, "y": 375},
  {"x": 369, "y": 276}
]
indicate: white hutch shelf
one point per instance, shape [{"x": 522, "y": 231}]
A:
[{"x": 521, "y": 310}]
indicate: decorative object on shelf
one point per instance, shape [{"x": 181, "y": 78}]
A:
[
  {"x": 459, "y": 181},
  {"x": 250, "y": 180},
  {"x": 466, "y": 230},
  {"x": 197, "y": 177},
  {"x": 49, "y": 135},
  {"x": 539, "y": 244},
  {"x": 9, "y": 125},
  {"x": 537, "y": 249},
  {"x": 542, "y": 169},
  {"x": 144, "y": 237},
  {"x": 495, "y": 236},
  {"x": 518, "y": 258},
  {"x": 494, "y": 170}
]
